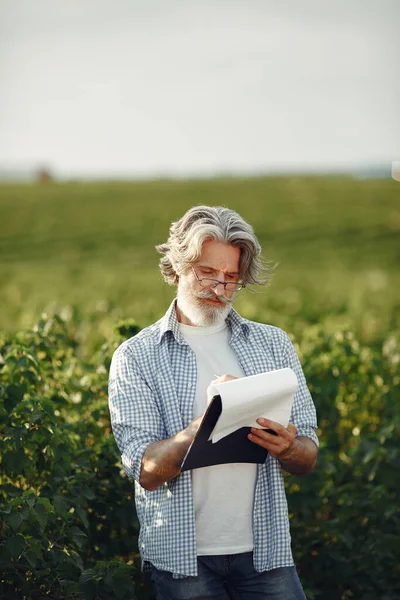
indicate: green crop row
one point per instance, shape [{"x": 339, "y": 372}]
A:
[
  {"x": 92, "y": 246},
  {"x": 85, "y": 253}
]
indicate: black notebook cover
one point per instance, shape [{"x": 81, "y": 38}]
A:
[{"x": 233, "y": 448}]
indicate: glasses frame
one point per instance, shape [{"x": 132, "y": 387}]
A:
[{"x": 238, "y": 286}]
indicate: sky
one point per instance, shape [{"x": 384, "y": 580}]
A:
[{"x": 114, "y": 87}]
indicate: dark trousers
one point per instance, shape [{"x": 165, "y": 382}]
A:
[{"x": 231, "y": 575}]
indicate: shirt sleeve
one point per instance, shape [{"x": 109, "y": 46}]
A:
[
  {"x": 135, "y": 418},
  {"x": 304, "y": 415}
]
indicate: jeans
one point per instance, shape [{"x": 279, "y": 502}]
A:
[{"x": 232, "y": 576}]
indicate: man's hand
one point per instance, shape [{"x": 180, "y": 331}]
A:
[
  {"x": 278, "y": 441},
  {"x": 298, "y": 455},
  {"x": 222, "y": 379}
]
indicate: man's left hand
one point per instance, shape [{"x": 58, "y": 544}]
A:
[
  {"x": 280, "y": 443},
  {"x": 297, "y": 454}
]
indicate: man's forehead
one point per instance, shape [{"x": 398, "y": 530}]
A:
[
  {"x": 205, "y": 265},
  {"x": 219, "y": 256}
]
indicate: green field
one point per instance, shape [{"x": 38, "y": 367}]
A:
[
  {"x": 86, "y": 251},
  {"x": 91, "y": 246}
]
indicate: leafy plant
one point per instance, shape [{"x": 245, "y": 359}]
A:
[
  {"x": 68, "y": 525},
  {"x": 67, "y": 518}
]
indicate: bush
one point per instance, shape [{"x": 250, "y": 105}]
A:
[
  {"x": 68, "y": 523},
  {"x": 345, "y": 516},
  {"x": 69, "y": 526}
]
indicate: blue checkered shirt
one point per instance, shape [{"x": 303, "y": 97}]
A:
[{"x": 152, "y": 388}]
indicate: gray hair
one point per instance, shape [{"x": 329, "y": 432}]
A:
[{"x": 203, "y": 223}]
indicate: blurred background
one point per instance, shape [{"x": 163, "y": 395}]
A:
[
  {"x": 117, "y": 117},
  {"x": 101, "y": 89}
]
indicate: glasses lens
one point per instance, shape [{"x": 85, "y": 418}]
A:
[
  {"x": 230, "y": 286},
  {"x": 209, "y": 282},
  {"x": 233, "y": 287}
]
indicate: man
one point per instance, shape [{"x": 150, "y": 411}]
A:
[{"x": 225, "y": 526}]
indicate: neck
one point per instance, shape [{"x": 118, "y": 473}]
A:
[{"x": 182, "y": 318}]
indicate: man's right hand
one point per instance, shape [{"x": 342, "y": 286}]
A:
[{"x": 222, "y": 379}]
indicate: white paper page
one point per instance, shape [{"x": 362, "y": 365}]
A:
[{"x": 269, "y": 395}]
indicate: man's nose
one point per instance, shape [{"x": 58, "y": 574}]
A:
[{"x": 219, "y": 289}]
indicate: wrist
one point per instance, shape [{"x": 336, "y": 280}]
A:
[{"x": 291, "y": 452}]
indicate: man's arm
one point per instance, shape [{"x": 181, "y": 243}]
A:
[
  {"x": 162, "y": 460},
  {"x": 297, "y": 455}
]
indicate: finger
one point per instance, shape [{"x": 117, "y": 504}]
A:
[
  {"x": 224, "y": 378},
  {"x": 268, "y": 435},
  {"x": 279, "y": 429},
  {"x": 266, "y": 441},
  {"x": 256, "y": 439},
  {"x": 228, "y": 377},
  {"x": 275, "y": 444}
]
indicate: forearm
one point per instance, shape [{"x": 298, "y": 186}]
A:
[
  {"x": 301, "y": 457},
  {"x": 162, "y": 460}
]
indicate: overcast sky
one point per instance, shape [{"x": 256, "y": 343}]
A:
[{"x": 181, "y": 87}]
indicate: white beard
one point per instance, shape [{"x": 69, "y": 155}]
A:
[{"x": 200, "y": 313}]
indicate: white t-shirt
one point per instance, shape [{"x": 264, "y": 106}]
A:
[{"x": 223, "y": 495}]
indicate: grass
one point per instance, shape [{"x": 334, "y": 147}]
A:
[{"x": 91, "y": 246}]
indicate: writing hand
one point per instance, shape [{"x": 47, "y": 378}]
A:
[{"x": 222, "y": 379}]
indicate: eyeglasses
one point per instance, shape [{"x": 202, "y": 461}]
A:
[{"x": 230, "y": 286}]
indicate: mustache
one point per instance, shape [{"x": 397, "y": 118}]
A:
[{"x": 211, "y": 296}]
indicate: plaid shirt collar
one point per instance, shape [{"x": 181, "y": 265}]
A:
[{"x": 169, "y": 322}]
